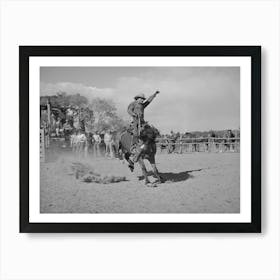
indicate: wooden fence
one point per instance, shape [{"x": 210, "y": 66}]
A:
[
  {"x": 190, "y": 145},
  {"x": 42, "y": 145}
]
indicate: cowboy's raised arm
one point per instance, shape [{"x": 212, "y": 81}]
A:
[{"x": 150, "y": 99}]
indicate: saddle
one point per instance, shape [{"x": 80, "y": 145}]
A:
[{"x": 133, "y": 142}]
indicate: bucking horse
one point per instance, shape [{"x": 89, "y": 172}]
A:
[{"x": 128, "y": 147}]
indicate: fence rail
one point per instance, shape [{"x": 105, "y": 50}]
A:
[
  {"x": 210, "y": 144},
  {"x": 169, "y": 145}
]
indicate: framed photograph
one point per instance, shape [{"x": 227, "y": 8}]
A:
[{"x": 156, "y": 139}]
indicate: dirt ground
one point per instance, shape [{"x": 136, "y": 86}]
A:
[{"x": 195, "y": 183}]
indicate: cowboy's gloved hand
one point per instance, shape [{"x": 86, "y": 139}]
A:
[{"x": 157, "y": 92}]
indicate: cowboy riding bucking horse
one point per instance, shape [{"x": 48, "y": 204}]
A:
[{"x": 136, "y": 111}]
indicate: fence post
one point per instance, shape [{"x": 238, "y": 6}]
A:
[{"x": 42, "y": 146}]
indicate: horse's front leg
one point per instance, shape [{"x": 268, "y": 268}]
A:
[
  {"x": 130, "y": 162},
  {"x": 155, "y": 170},
  {"x": 144, "y": 171}
]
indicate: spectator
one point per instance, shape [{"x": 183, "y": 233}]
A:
[
  {"x": 96, "y": 139},
  {"x": 180, "y": 140},
  {"x": 108, "y": 140},
  {"x": 67, "y": 130},
  {"x": 229, "y": 141},
  {"x": 58, "y": 127}
]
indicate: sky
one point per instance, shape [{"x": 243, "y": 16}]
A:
[{"x": 190, "y": 99}]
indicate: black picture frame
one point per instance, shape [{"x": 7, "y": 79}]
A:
[{"x": 25, "y": 52}]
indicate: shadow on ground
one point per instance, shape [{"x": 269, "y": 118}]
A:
[{"x": 173, "y": 177}]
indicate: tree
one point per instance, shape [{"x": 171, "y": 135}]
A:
[
  {"x": 105, "y": 113},
  {"x": 100, "y": 113},
  {"x": 62, "y": 99},
  {"x": 77, "y": 100}
]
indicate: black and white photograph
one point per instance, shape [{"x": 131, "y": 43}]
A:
[{"x": 140, "y": 139}]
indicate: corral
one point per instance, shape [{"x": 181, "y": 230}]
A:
[{"x": 81, "y": 172}]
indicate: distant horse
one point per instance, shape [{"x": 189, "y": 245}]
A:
[
  {"x": 79, "y": 143},
  {"x": 148, "y": 135}
]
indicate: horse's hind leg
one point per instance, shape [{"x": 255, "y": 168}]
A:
[
  {"x": 111, "y": 150},
  {"x": 86, "y": 149},
  {"x": 119, "y": 152},
  {"x": 155, "y": 170},
  {"x": 144, "y": 170}
]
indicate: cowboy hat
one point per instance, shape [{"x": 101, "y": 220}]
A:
[{"x": 141, "y": 95}]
